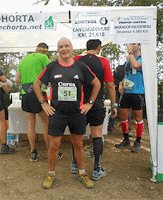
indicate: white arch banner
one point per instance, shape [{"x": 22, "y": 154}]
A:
[
  {"x": 27, "y": 22},
  {"x": 27, "y": 41}
]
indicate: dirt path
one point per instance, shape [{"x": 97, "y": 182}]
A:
[{"x": 128, "y": 174}]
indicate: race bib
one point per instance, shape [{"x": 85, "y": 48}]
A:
[
  {"x": 127, "y": 84},
  {"x": 67, "y": 94}
]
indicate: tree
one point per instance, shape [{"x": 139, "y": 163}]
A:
[{"x": 8, "y": 65}]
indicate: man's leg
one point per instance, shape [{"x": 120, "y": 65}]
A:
[
  {"x": 129, "y": 120},
  {"x": 111, "y": 124},
  {"x": 77, "y": 141},
  {"x": 138, "y": 115},
  {"x": 2, "y": 128},
  {"x": 111, "y": 121},
  {"x": 74, "y": 165},
  {"x": 96, "y": 134},
  {"x": 54, "y": 144},
  {"x": 4, "y": 148},
  {"x": 45, "y": 121},
  {"x": 31, "y": 120},
  {"x": 124, "y": 114}
]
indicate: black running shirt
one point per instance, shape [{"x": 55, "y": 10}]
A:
[
  {"x": 67, "y": 85},
  {"x": 100, "y": 66}
]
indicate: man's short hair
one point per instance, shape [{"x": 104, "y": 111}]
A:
[
  {"x": 42, "y": 47},
  {"x": 93, "y": 44}
]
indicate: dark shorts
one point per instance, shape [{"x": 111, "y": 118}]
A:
[
  {"x": 95, "y": 117},
  {"x": 1, "y": 106},
  {"x": 59, "y": 121},
  {"x": 31, "y": 104},
  {"x": 134, "y": 101}
]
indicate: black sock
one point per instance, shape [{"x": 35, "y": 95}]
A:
[
  {"x": 4, "y": 145},
  {"x": 73, "y": 156},
  {"x": 34, "y": 151},
  {"x": 138, "y": 139},
  {"x": 126, "y": 136},
  {"x": 97, "y": 152}
]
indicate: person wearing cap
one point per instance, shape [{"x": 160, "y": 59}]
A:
[{"x": 29, "y": 69}]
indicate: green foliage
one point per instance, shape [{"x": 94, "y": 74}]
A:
[
  {"x": 160, "y": 95},
  {"x": 8, "y": 65},
  {"x": 112, "y": 52},
  {"x": 160, "y": 62},
  {"x": 77, "y": 52}
]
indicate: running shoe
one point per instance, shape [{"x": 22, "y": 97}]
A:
[
  {"x": 7, "y": 150},
  {"x": 124, "y": 143},
  {"x": 98, "y": 174},
  {"x": 74, "y": 168},
  {"x": 136, "y": 147},
  {"x": 34, "y": 156},
  {"x": 60, "y": 155},
  {"x": 48, "y": 183},
  {"x": 83, "y": 178}
]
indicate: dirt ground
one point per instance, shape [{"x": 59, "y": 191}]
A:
[{"x": 128, "y": 173}]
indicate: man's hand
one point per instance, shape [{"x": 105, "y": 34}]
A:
[
  {"x": 49, "y": 110},
  {"x": 121, "y": 89},
  {"x": 113, "y": 112},
  {"x": 85, "y": 108},
  {"x": 129, "y": 48}
]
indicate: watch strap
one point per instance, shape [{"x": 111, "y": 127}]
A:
[
  {"x": 91, "y": 101},
  {"x": 42, "y": 101}
]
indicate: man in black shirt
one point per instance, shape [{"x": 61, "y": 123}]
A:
[{"x": 67, "y": 78}]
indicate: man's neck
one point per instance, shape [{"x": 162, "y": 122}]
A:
[
  {"x": 92, "y": 52},
  {"x": 68, "y": 61}
]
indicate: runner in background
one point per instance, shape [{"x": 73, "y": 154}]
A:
[
  {"x": 5, "y": 87},
  {"x": 132, "y": 89},
  {"x": 100, "y": 66}
]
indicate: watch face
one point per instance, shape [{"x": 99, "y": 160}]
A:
[
  {"x": 42, "y": 101},
  {"x": 90, "y": 101}
]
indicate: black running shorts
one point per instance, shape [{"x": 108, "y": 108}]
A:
[
  {"x": 1, "y": 105},
  {"x": 59, "y": 121},
  {"x": 31, "y": 104},
  {"x": 134, "y": 101},
  {"x": 95, "y": 117}
]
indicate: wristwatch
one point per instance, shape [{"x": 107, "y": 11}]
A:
[
  {"x": 42, "y": 101},
  {"x": 114, "y": 105},
  {"x": 91, "y": 102},
  {"x": 131, "y": 52}
]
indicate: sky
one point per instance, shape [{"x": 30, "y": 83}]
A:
[
  {"x": 24, "y": 5},
  {"x": 14, "y": 5}
]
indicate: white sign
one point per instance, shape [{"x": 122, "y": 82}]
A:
[
  {"x": 91, "y": 25},
  {"x": 133, "y": 29},
  {"x": 18, "y": 22}
]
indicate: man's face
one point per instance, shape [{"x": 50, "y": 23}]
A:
[
  {"x": 135, "y": 46},
  {"x": 65, "y": 49}
]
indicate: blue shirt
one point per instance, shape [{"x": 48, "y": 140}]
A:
[{"x": 137, "y": 78}]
